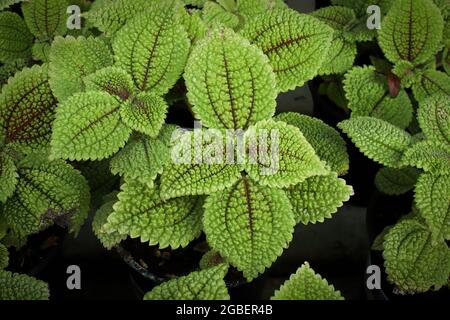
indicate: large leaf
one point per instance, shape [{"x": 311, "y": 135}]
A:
[
  {"x": 230, "y": 82},
  {"x": 108, "y": 239},
  {"x": 46, "y": 18},
  {"x": 434, "y": 118},
  {"x": 430, "y": 156},
  {"x": 396, "y": 181},
  {"x": 15, "y": 39},
  {"x": 431, "y": 82},
  {"x": 296, "y": 44},
  {"x": 249, "y": 225},
  {"x": 14, "y": 286},
  {"x": 8, "y": 176}
]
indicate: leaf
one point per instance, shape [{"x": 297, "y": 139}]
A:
[
  {"x": 15, "y": 39},
  {"x": 279, "y": 155},
  {"x": 27, "y": 108},
  {"x": 214, "y": 15},
  {"x": 14, "y": 286},
  {"x": 72, "y": 59},
  {"x": 8, "y": 176},
  {"x": 337, "y": 17},
  {"x": 108, "y": 240},
  {"x": 45, "y": 18},
  {"x": 326, "y": 141},
  {"x": 368, "y": 94},
  {"x": 318, "y": 198},
  {"x": 412, "y": 31},
  {"x": 153, "y": 48},
  {"x": 396, "y": 181},
  {"x": 341, "y": 57},
  {"x": 41, "y": 51},
  {"x": 249, "y": 225},
  {"x": 140, "y": 212},
  {"x": 210, "y": 259},
  {"x": 429, "y": 156},
  {"x": 432, "y": 82},
  {"x": 112, "y": 80},
  {"x": 194, "y": 25},
  {"x": 252, "y": 8},
  {"x": 434, "y": 118},
  {"x": 198, "y": 285},
  {"x": 4, "y": 257},
  {"x": 7, "y": 3},
  {"x": 377, "y": 139},
  {"x": 305, "y": 284},
  {"x": 8, "y": 69},
  {"x": 433, "y": 201},
  {"x": 230, "y": 82},
  {"x": 411, "y": 261},
  {"x": 296, "y": 44}
]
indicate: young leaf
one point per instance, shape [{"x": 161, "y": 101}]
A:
[
  {"x": 296, "y": 44},
  {"x": 214, "y": 15},
  {"x": 199, "y": 285},
  {"x": 412, "y": 31},
  {"x": 8, "y": 176},
  {"x": 112, "y": 80},
  {"x": 430, "y": 156},
  {"x": 41, "y": 51},
  {"x": 45, "y": 18},
  {"x": 249, "y": 225},
  {"x": 396, "y": 181},
  {"x": 377, "y": 139},
  {"x": 434, "y": 118},
  {"x": 194, "y": 25},
  {"x": 305, "y": 284},
  {"x": 230, "y": 82},
  {"x": 8, "y": 69},
  {"x": 88, "y": 127},
  {"x": 14, "y": 286},
  {"x": 108, "y": 240},
  {"x": 279, "y": 155},
  {"x": 318, "y": 197},
  {"x": 140, "y": 212},
  {"x": 210, "y": 259},
  {"x": 432, "y": 82},
  {"x": 15, "y": 39},
  {"x": 4, "y": 257}
]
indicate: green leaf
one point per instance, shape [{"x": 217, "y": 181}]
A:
[
  {"x": 434, "y": 118},
  {"x": 15, "y": 39},
  {"x": 249, "y": 225},
  {"x": 72, "y": 59},
  {"x": 433, "y": 201},
  {"x": 341, "y": 57},
  {"x": 252, "y": 8},
  {"x": 46, "y": 18},
  {"x": 431, "y": 83},
  {"x": 142, "y": 213},
  {"x": 230, "y": 82},
  {"x": 112, "y": 80},
  {"x": 296, "y": 44},
  {"x": 41, "y": 51},
  {"x": 360, "y": 6},
  {"x": 199, "y": 285},
  {"x": 396, "y": 181},
  {"x": 4, "y": 257},
  {"x": 318, "y": 197},
  {"x": 108, "y": 240},
  {"x": 88, "y": 127},
  {"x": 7, "y": 3},
  {"x": 412, "y": 262},
  {"x": 377, "y": 139},
  {"x": 8, "y": 69},
  {"x": 210, "y": 259},
  {"x": 14, "y": 286},
  {"x": 336, "y": 17},
  {"x": 194, "y": 25},
  {"x": 8, "y": 176},
  {"x": 153, "y": 48},
  {"x": 279, "y": 155},
  {"x": 27, "y": 108},
  {"x": 215, "y": 15},
  {"x": 326, "y": 141},
  {"x": 430, "y": 156},
  {"x": 412, "y": 31},
  {"x": 305, "y": 284},
  {"x": 368, "y": 95}
]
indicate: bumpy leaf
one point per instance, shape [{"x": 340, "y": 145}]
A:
[
  {"x": 199, "y": 285},
  {"x": 72, "y": 59},
  {"x": 4, "y": 256},
  {"x": 153, "y": 49},
  {"x": 377, "y": 139},
  {"x": 396, "y": 181},
  {"x": 113, "y": 80},
  {"x": 215, "y": 15},
  {"x": 296, "y": 44},
  {"x": 412, "y": 262},
  {"x": 45, "y": 18},
  {"x": 142, "y": 213},
  {"x": 305, "y": 284},
  {"x": 27, "y": 108},
  {"x": 279, "y": 155},
  {"x": 433, "y": 202},
  {"x": 15, "y": 39},
  {"x": 41, "y": 51},
  {"x": 368, "y": 95},
  {"x": 8, "y": 69},
  {"x": 252, "y": 8},
  {"x": 429, "y": 156},
  {"x": 88, "y": 126},
  {"x": 360, "y": 6},
  {"x": 434, "y": 118},
  {"x": 7, "y": 3},
  {"x": 431, "y": 82},
  {"x": 8, "y": 176},
  {"x": 14, "y": 286},
  {"x": 194, "y": 25},
  {"x": 210, "y": 259},
  {"x": 108, "y": 240},
  {"x": 249, "y": 225},
  {"x": 230, "y": 82},
  {"x": 326, "y": 141},
  {"x": 412, "y": 31},
  {"x": 318, "y": 198}
]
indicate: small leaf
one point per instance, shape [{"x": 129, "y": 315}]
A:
[
  {"x": 15, "y": 39},
  {"x": 396, "y": 181},
  {"x": 210, "y": 259},
  {"x": 430, "y": 156},
  {"x": 41, "y": 51},
  {"x": 8, "y": 176},
  {"x": 4, "y": 257},
  {"x": 434, "y": 118},
  {"x": 14, "y": 286},
  {"x": 108, "y": 240},
  {"x": 432, "y": 82},
  {"x": 112, "y": 80},
  {"x": 214, "y": 15},
  {"x": 45, "y": 18}
]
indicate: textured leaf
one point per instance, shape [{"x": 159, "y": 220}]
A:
[
  {"x": 112, "y": 80},
  {"x": 27, "y": 108},
  {"x": 378, "y": 139},
  {"x": 433, "y": 201},
  {"x": 230, "y": 82},
  {"x": 305, "y": 284},
  {"x": 45, "y": 18},
  {"x": 249, "y": 225},
  {"x": 8, "y": 176},
  {"x": 252, "y": 8},
  {"x": 214, "y": 15},
  {"x": 7, "y": 3},
  {"x": 153, "y": 49},
  {"x": 210, "y": 259},
  {"x": 88, "y": 127},
  {"x": 368, "y": 94},
  {"x": 14, "y": 286},
  {"x": 337, "y": 17},
  {"x": 199, "y": 285},
  {"x": 429, "y": 156},
  {"x": 360, "y": 6},
  {"x": 326, "y": 141},
  {"x": 279, "y": 155},
  {"x": 41, "y": 51},
  {"x": 108, "y": 240},
  {"x": 296, "y": 44},
  {"x": 4, "y": 257},
  {"x": 72, "y": 59},
  {"x": 318, "y": 198},
  {"x": 396, "y": 181},
  {"x": 8, "y": 70},
  {"x": 412, "y": 31},
  {"x": 411, "y": 261},
  {"x": 194, "y": 25},
  {"x": 15, "y": 38},
  {"x": 142, "y": 213},
  {"x": 434, "y": 118},
  {"x": 341, "y": 57},
  {"x": 431, "y": 82}
]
